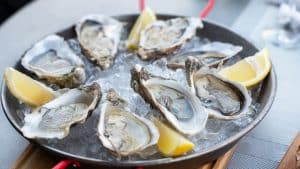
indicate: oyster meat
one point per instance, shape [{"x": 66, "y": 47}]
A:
[
  {"x": 122, "y": 131},
  {"x": 226, "y": 99},
  {"x": 177, "y": 103},
  {"x": 54, "y": 119},
  {"x": 164, "y": 37},
  {"x": 52, "y": 59},
  {"x": 211, "y": 54},
  {"x": 99, "y": 37}
]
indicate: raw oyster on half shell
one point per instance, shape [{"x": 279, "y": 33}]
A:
[
  {"x": 52, "y": 59},
  {"x": 99, "y": 36},
  {"x": 182, "y": 109},
  {"x": 54, "y": 119},
  {"x": 121, "y": 130},
  {"x": 164, "y": 37},
  {"x": 226, "y": 99},
  {"x": 211, "y": 54}
]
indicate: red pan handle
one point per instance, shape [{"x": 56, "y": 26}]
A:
[
  {"x": 210, "y": 4},
  {"x": 202, "y": 15},
  {"x": 142, "y": 5},
  {"x": 63, "y": 164}
]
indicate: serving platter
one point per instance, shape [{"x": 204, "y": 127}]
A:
[{"x": 211, "y": 31}]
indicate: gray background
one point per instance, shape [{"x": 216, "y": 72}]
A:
[{"x": 261, "y": 148}]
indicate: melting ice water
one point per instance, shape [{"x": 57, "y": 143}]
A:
[{"x": 83, "y": 139}]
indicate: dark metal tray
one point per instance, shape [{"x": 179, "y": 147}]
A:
[{"x": 211, "y": 31}]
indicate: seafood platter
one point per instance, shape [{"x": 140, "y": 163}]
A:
[{"x": 134, "y": 90}]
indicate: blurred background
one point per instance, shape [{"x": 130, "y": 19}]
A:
[{"x": 8, "y": 7}]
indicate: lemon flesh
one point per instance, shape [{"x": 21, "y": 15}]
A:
[
  {"x": 171, "y": 143},
  {"x": 26, "y": 89},
  {"x": 146, "y": 17},
  {"x": 250, "y": 70}
]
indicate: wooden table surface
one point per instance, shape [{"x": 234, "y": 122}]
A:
[{"x": 261, "y": 148}]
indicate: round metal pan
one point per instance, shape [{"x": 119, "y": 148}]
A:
[{"x": 212, "y": 31}]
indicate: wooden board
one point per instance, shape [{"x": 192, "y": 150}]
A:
[
  {"x": 290, "y": 160},
  {"x": 35, "y": 158}
]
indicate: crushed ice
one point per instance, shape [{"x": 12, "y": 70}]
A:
[{"x": 83, "y": 139}]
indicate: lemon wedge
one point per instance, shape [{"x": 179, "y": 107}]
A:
[
  {"x": 250, "y": 70},
  {"x": 27, "y": 90},
  {"x": 146, "y": 17},
  {"x": 171, "y": 143}
]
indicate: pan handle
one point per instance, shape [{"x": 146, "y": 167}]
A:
[
  {"x": 142, "y": 5},
  {"x": 63, "y": 164},
  {"x": 203, "y": 14},
  {"x": 210, "y": 4}
]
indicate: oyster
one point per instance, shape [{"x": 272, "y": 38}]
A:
[
  {"x": 52, "y": 59},
  {"x": 164, "y": 37},
  {"x": 225, "y": 99},
  {"x": 178, "y": 104},
  {"x": 99, "y": 37},
  {"x": 122, "y": 131},
  {"x": 211, "y": 54},
  {"x": 53, "y": 120}
]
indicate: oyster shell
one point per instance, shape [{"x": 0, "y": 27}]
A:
[
  {"x": 99, "y": 37},
  {"x": 164, "y": 37},
  {"x": 226, "y": 99},
  {"x": 52, "y": 59},
  {"x": 178, "y": 104},
  {"x": 122, "y": 131},
  {"x": 211, "y": 55},
  {"x": 54, "y": 119}
]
